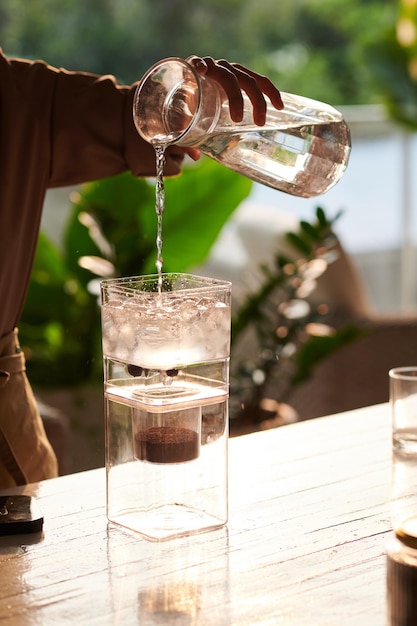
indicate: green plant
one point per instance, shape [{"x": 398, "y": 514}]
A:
[
  {"x": 55, "y": 328},
  {"x": 286, "y": 330},
  {"x": 111, "y": 231}
]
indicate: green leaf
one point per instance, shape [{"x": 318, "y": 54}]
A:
[
  {"x": 310, "y": 230},
  {"x": 321, "y": 217},
  {"x": 49, "y": 275},
  {"x": 299, "y": 243},
  {"x": 120, "y": 205},
  {"x": 197, "y": 205}
]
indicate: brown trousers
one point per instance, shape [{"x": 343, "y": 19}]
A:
[{"x": 25, "y": 453}]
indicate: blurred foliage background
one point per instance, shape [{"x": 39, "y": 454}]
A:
[
  {"x": 316, "y": 48},
  {"x": 392, "y": 60}
]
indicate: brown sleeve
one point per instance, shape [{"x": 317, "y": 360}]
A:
[
  {"x": 92, "y": 130},
  {"x": 79, "y": 124}
]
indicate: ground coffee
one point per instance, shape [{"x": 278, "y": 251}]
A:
[{"x": 166, "y": 444}]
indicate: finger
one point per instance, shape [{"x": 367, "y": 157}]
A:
[
  {"x": 174, "y": 157},
  {"x": 228, "y": 80},
  {"x": 193, "y": 153},
  {"x": 198, "y": 63},
  {"x": 251, "y": 88},
  {"x": 265, "y": 84}
]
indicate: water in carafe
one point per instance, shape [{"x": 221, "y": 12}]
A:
[{"x": 302, "y": 149}]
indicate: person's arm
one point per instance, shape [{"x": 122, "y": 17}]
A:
[{"x": 92, "y": 131}]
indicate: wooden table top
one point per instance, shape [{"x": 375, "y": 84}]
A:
[{"x": 309, "y": 517}]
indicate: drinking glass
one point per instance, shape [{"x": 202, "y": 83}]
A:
[
  {"x": 403, "y": 400},
  {"x": 166, "y": 349}
]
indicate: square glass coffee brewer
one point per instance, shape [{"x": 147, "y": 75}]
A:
[{"x": 166, "y": 349}]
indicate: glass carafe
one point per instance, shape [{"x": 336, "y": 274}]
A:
[{"x": 302, "y": 149}]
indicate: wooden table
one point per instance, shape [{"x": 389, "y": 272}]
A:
[{"x": 309, "y": 520}]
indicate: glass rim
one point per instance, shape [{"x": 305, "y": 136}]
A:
[
  {"x": 135, "y": 284},
  {"x": 405, "y": 372},
  {"x": 148, "y": 74}
]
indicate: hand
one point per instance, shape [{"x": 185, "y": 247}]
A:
[{"x": 235, "y": 78}]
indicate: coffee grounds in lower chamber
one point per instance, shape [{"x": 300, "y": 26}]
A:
[{"x": 166, "y": 444}]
